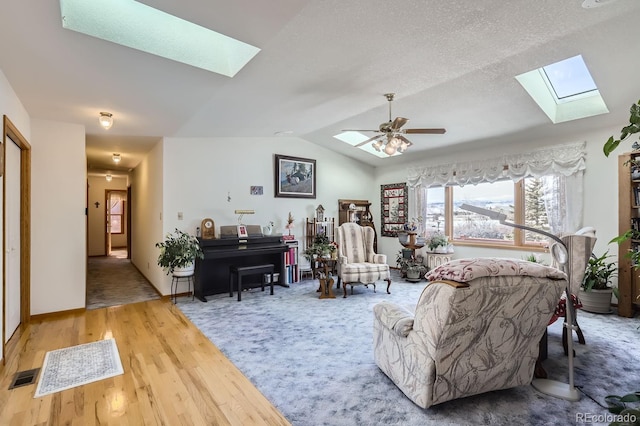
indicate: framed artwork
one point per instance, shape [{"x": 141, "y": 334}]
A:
[
  {"x": 256, "y": 190},
  {"x": 393, "y": 208},
  {"x": 295, "y": 177},
  {"x": 242, "y": 231}
]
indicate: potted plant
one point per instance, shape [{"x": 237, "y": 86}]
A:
[
  {"x": 178, "y": 253},
  {"x": 596, "y": 289},
  {"x": 438, "y": 243},
  {"x": 321, "y": 247},
  {"x": 410, "y": 268}
]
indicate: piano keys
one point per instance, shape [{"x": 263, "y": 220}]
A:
[{"x": 212, "y": 272}]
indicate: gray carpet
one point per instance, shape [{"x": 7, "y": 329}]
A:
[
  {"x": 313, "y": 359},
  {"x": 113, "y": 280}
]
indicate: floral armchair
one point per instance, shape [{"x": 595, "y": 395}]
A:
[{"x": 476, "y": 328}]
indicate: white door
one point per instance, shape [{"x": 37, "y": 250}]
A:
[{"x": 12, "y": 238}]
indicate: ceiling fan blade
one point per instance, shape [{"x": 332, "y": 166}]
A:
[
  {"x": 425, "y": 131},
  {"x": 359, "y": 130},
  {"x": 369, "y": 140},
  {"x": 398, "y": 122}
]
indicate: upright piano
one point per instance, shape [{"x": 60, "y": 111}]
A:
[{"x": 212, "y": 272}]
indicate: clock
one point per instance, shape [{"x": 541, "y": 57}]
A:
[{"x": 208, "y": 229}]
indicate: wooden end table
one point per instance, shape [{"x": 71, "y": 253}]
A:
[{"x": 322, "y": 269}]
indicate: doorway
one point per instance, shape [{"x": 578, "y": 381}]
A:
[
  {"x": 15, "y": 169},
  {"x": 116, "y": 221},
  {"x": 111, "y": 277}
]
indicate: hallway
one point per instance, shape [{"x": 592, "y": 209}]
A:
[{"x": 113, "y": 280}]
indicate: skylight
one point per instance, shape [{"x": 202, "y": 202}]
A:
[
  {"x": 564, "y": 90},
  {"x": 136, "y": 25},
  {"x": 569, "y": 77},
  {"x": 354, "y": 138}
]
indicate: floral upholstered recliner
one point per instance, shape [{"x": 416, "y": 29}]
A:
[{"x": 476, "y": 328}]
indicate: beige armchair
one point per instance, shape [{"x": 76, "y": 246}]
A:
[
  {"x": 357, "y": 262},
  {"x": 476, "y": 328}
]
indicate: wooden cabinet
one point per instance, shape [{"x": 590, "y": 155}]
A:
[
  {"x": 628, "y": 218},
  {"x": 357, "y": 211}
]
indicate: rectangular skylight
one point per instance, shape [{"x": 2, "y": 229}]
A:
[
  {"x": 564, "y": 90},
  {"x": 136, "y": 25},
  {"x": 354, "y": 138},
  {"x": 569, "y": 77}
]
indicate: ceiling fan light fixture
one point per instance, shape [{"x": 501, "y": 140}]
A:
[
  {"x": 377, "y": 145},
  {"x": 106, "y": 120}
]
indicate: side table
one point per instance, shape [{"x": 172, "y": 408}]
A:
[{"x": 322, "y": 269}]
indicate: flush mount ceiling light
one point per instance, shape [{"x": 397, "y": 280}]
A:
[
  {"x": 106, "y": 120},
  {"x": 136, "y": 25},
  {"x": 108, "y": 178},
  {"x": 116, "y": 158}
]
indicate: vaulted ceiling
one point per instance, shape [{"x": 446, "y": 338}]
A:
[{"x": 323, "y": 67}]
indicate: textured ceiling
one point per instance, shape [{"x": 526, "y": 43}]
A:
[{"x": 324, "y": 66}]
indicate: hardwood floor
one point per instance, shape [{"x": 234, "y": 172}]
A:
[{"x": 173, "y": 375}]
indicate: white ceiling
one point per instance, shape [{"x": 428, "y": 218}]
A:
[{"x": 324, "y": 66}]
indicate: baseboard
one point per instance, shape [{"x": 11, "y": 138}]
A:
[{"x": 48, "y": 315}]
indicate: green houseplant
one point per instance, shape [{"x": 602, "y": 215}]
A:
[
  {"x": 596, "y": 288},
  {"x": 436, "y": 241},
  {"x": 410, "y": 267},
  {"x": 178, "y": 250},
  {"x": 321, "y": 247},
  {"x": 633, "y": 127}
]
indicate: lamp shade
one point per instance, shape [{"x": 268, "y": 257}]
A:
[{"x": 106, "y": 120}]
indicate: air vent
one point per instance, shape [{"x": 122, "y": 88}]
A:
[{"x": 23, "y": 378}]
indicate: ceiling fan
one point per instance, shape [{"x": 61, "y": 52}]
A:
[{"x": 393, "y": 132}]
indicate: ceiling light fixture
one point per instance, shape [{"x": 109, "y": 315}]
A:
[
  {"x": 392, "y": 145},
  {"x": 108, "y": 178},
  {"x": 116, "y": 158},
  {"x": 106, "y": 120}
]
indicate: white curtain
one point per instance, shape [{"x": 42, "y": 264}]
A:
[{"x": 562, "y": 168}]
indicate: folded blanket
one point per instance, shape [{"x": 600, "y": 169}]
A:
[{"x": 464, "y": 270}]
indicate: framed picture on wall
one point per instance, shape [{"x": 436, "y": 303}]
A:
[
  {"x": 295, "y": 177},
  {"x": 393, "y": 208}
]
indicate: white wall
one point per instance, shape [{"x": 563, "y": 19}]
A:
[
  {"x": 146, "y": 211},
  {"x": 600, "y": 191},
  {"x": 98, "y": 186},
  {"x": 199, "y": 175},
  {"x": 58, "y": 221}
]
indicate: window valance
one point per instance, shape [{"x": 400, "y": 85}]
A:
[{"x": 564, "y": 160}]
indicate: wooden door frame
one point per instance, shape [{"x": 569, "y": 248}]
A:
[{"x": 10, "y": 131}]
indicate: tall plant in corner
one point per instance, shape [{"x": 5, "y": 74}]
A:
[
  {"x": 628, "y": 130},
  {"x": 612, "y": 143},
  {"x": 618, "y": 404}
]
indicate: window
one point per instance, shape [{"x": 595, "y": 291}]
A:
[
  {"x": 116, "y": 212},
  {"x": 523, "y": 202}
]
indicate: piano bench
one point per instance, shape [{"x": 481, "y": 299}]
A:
[{"x": 238, "y": 272}]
